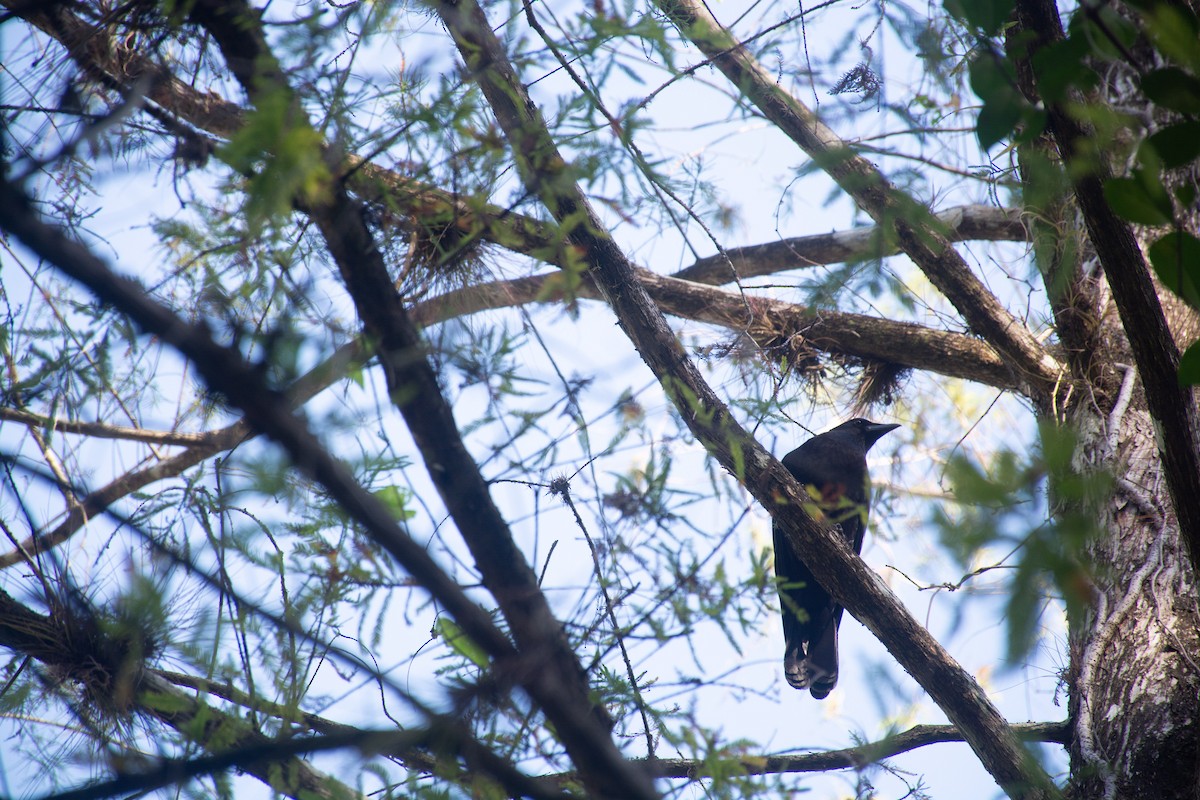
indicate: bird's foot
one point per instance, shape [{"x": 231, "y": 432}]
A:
[
  {"x": 801, "y": 673},
  {"x": 795, "y": 670}
]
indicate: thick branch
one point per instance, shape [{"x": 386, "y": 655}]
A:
[
  {"x": 559, "y": 685},
  {"x": 104, "y": 57},
  {"x": 961, "y": 223},
  {"x": 255, "y": 751},
  {"x": 918, "y": 233},
  {"x": 235, "y": 743},
  {"x": 29, "y": 633},
  {"x": 1173, "y": 407},
  {"x": 845, "y": 575},
  {"x": 117, "y": 64},
  {"x": 772, "y": 324}
]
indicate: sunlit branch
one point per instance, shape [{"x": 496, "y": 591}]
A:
[
  {"x": 361, "y": 260},
  {"x": 961, "y": 223},
  {"x": 775, "y": 326},
  {"x": 561, "y": 687},
  {"x": 495, "y": 224},
  {"x": 101, "y": 430},
  {"x": 25, "y": 631},
  {"x": 226, "y": 372}
]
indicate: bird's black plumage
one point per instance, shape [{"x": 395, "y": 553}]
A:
[{"x": 833, "y": 467}]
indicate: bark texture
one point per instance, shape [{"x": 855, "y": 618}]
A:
[{"x": 1134, "y": 678}]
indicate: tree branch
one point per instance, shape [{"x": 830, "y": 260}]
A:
[
  {"x": 853, "y": 335},
  {"x": 774, "y": 325},
  {"x": 517, "y": 232},
  {"x": 961, "y": 223},
  {"x": 231, "y": 741},
  {"x": 43, "y": 638},
  {"x": 844, "y": 574},
  {"x": 102, "y": 430},
  {"x": 918, "y": 233},
  {"x": 558, "y": 685},
  {"x": 861, "y": 756}
]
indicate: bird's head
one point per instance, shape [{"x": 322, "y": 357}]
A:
[{"x": 869, "y": 431}]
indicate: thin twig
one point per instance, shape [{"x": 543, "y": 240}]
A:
[{"x": 562, "y": 488}]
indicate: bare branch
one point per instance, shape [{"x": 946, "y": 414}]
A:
[
  {"x": 226, "y": 372},
  {"x": 96, "y": 502},
  {"x": 274, "y": 761},
  {"x": 772, "y": 324},
  {"x": 304, "y": 389},
  {"x": 863, "y": 755},
  {"x": 102, "y": 430},
  {"x": 961, "y": 223},
  {"x": 559, "y": 686}
]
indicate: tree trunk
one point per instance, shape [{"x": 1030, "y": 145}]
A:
[
  {"x": 1134, "y": 674},
  {"x": 1133, "y": 678}
]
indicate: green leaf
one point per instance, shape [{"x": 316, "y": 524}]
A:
[
  {"x": 170, "y": 703},
  {"x": 1186, "y": 195},
  {"x": 1105, "y": 34},
  {"x": 1177, "y": 144},
  {"x": 993, "y": 80},
  {"x": 1133, "y": 200},
  {"x": 996, "y": 121},
  {"x": 1175, "y": 31},
  {"x": 282, "y": 156},
  {"x": 1176, "y": 261},
  {"x": 985, "y": 15},
  {"x": 459, "y": 641},
  {"x": 395, "y": 498},
  {"x": 1062, "y": 66},
  {"x": 1173, "y": 88},
  {"x": 1189, "y": 366}
]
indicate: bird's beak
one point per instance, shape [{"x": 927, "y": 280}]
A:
[{"x": 878, "y": 429}]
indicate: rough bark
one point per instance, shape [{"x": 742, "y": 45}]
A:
[{"x": 1134, "y": 677}]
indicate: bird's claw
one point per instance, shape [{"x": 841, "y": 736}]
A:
[{"x": 803, "y": 674}]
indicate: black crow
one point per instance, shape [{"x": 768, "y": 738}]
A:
[{"x": 833, "y": 468}]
